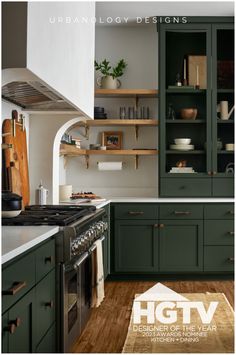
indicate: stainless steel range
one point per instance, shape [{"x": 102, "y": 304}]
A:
[{"x": 80, "y": 227}]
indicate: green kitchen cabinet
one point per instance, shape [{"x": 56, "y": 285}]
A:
[
  {"x": 47, "y": 345},
  {"x": 181, "y": 245},
  {"x": 212, "y": 164},
  {"x": 18, "y": 326},
  {"x": 219, "y": 258},
  {"x": 28, "y": 301},
  {"x": 136, "y": 245}
]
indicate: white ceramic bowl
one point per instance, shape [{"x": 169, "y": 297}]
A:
[{"x": 181, "y": 141}]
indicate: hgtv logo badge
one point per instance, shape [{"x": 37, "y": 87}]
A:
[{"x": 161, "y": 304}]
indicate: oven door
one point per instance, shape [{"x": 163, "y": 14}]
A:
[{"x": 76, "y": 279}]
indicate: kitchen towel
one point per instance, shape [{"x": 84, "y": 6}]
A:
[
  {"x": 98, "y": 296},
  {"x": 109, "y": 165}
]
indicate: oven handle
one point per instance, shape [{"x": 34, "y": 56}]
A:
[
  {"x": 80, "y": 260},
  {"x": 93, "y": 247}
]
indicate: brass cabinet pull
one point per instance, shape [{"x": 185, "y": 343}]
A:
[
  {"x": 230, "y": 259},
  {"x": 136, "y": 213},
  {"x": 179, "y": 213},
  {"x": 231, "y": 212},
  {"x": 214, "y": 173},
  {"x": 17, "y": 322},
  {"x": 209, "y": 173},
  {"x": 231, "y": 233},
  {"x": 49, "y": 304},
  {"x": 161, "y": 225},
  {"x": 156, "y": 225},
  {"x": 48, "y": 259},
  {"x": 11, "y": 328},
  {"x": 17, "y": 286}
]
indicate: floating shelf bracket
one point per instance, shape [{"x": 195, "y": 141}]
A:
[
  {"x": 136, "y": 131},
  {"x": 86, "y": 131},
  {"x": 136, "y": 162},
  {"x": 87, "y": 161}
]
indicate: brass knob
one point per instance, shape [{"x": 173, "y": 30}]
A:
[
  {"x": 17, "y": 322},
  {"x": 156, "y": 225},
  {"x": 48, "y": 259},
  {"x": 11, "y": 328},
  {"x": 49, "y": 304},
  {"x": 161, "y": 225}
]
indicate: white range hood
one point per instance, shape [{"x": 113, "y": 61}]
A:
[{"x": 47, "y": 63}]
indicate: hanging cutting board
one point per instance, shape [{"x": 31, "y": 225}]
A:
[
  {"x": 14, "y": 178},
  {"x": 18, "y": 155}
]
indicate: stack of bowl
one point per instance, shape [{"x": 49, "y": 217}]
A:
[
  {"x": 182, "y": 144},
  {"x": 99, "y": 113}
]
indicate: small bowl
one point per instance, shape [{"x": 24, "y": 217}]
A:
[
  {"x": 188, "y": 113},
  {"x": 185, "y": 141}
]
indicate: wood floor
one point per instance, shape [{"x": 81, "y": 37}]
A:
[{"x": 107, "y": 327}]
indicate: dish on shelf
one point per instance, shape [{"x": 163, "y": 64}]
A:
[
  {"x": 188, "y": 113},
  {"x": 184, "y": 170},
  {"x": 183, "y": 147},
  {"x": 182, "y": 141}
]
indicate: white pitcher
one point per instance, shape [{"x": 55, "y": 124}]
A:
[{"x": 224, "y": 110}]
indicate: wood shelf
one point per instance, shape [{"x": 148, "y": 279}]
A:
[
  {"x": 67, "y": 150},
  {"x": 119, "y": 122},
  {"x": 126, "y": 93},
  {"x": 182, "y": 121}
]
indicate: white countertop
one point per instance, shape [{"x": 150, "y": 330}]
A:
[
  {"x": 18, "y": 239},
  {"x": 151, "y": 200}
]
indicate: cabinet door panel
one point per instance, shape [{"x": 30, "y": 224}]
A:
[
  {"x": 5, "y": 332},
  {"x": 181, "y": 246},
  {"x": 218, "y": 258},
  {"x": 223, "y": 187},
  {"x": 136, "y": 246},
  {"x": 22, "y": 341},
  {"x": 220, "y": 232},
  {"x": 45, "y": 305},
  {"x": 48, "y": 343},
  {"x": 45, "y": 259}
]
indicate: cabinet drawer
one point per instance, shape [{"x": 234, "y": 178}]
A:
[
  {"x": 17, "y": 279},
  {"x": 218, "y": 258},
  {"x": 220, "y": 232},
  {"x": 45, "y": 305},
  {"x": 171, "y": 187},
  {"x": 219, "y": 211},
  {"x": 136, "y": 211},
  {"x": 181, "y": 211},
  {"x": 223, "y": 187},
  {"x": 48, "y": 343},
  {"x": 45, "y": 259}
]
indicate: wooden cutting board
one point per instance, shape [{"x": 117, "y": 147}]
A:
[
  {"x": 18, "y": 155},
  {"x": 14, "y": 178}
]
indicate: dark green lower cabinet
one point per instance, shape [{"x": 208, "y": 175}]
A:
[
  {"x": 136, "y": 246},
  {"x": 48, "y": 344},
  {"x": 21, "y": 322},
  {"x": 219, "y": 258},
  {"x": 181, "y": 245}
]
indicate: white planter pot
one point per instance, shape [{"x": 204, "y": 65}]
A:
[{"x": 107, "y": 82}]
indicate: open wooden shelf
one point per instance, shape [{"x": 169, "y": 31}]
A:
[
  {"x": 119, "y": 122},
  {"x": 185, "y": 91},
  {"x": 186, "y": 152},
  {"x": 126, "y": 93},
  {"x": 67, "y": 150}
]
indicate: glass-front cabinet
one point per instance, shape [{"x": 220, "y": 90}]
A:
[
  {"x": 196, "y": 111},
  {"x": 223, "y": 104}
]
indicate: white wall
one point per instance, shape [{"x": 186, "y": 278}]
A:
[
  {"x": 138, "y": 46},
  {"x": 43, "y": 130},
  {"x": 60, "y": 53}
]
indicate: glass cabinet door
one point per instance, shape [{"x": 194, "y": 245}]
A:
[
  {"x": 185, "y": 101},
  {"x": 223, "y": 101}
]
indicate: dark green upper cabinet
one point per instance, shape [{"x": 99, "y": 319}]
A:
[
  {"x": 222, "y": 96},
  {"x": 200, "y": 55}
]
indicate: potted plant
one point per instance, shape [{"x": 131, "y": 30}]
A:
[{"x": 110, "y": 74}]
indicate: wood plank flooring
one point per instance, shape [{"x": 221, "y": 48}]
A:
[{"x": 107, "y": 327}]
